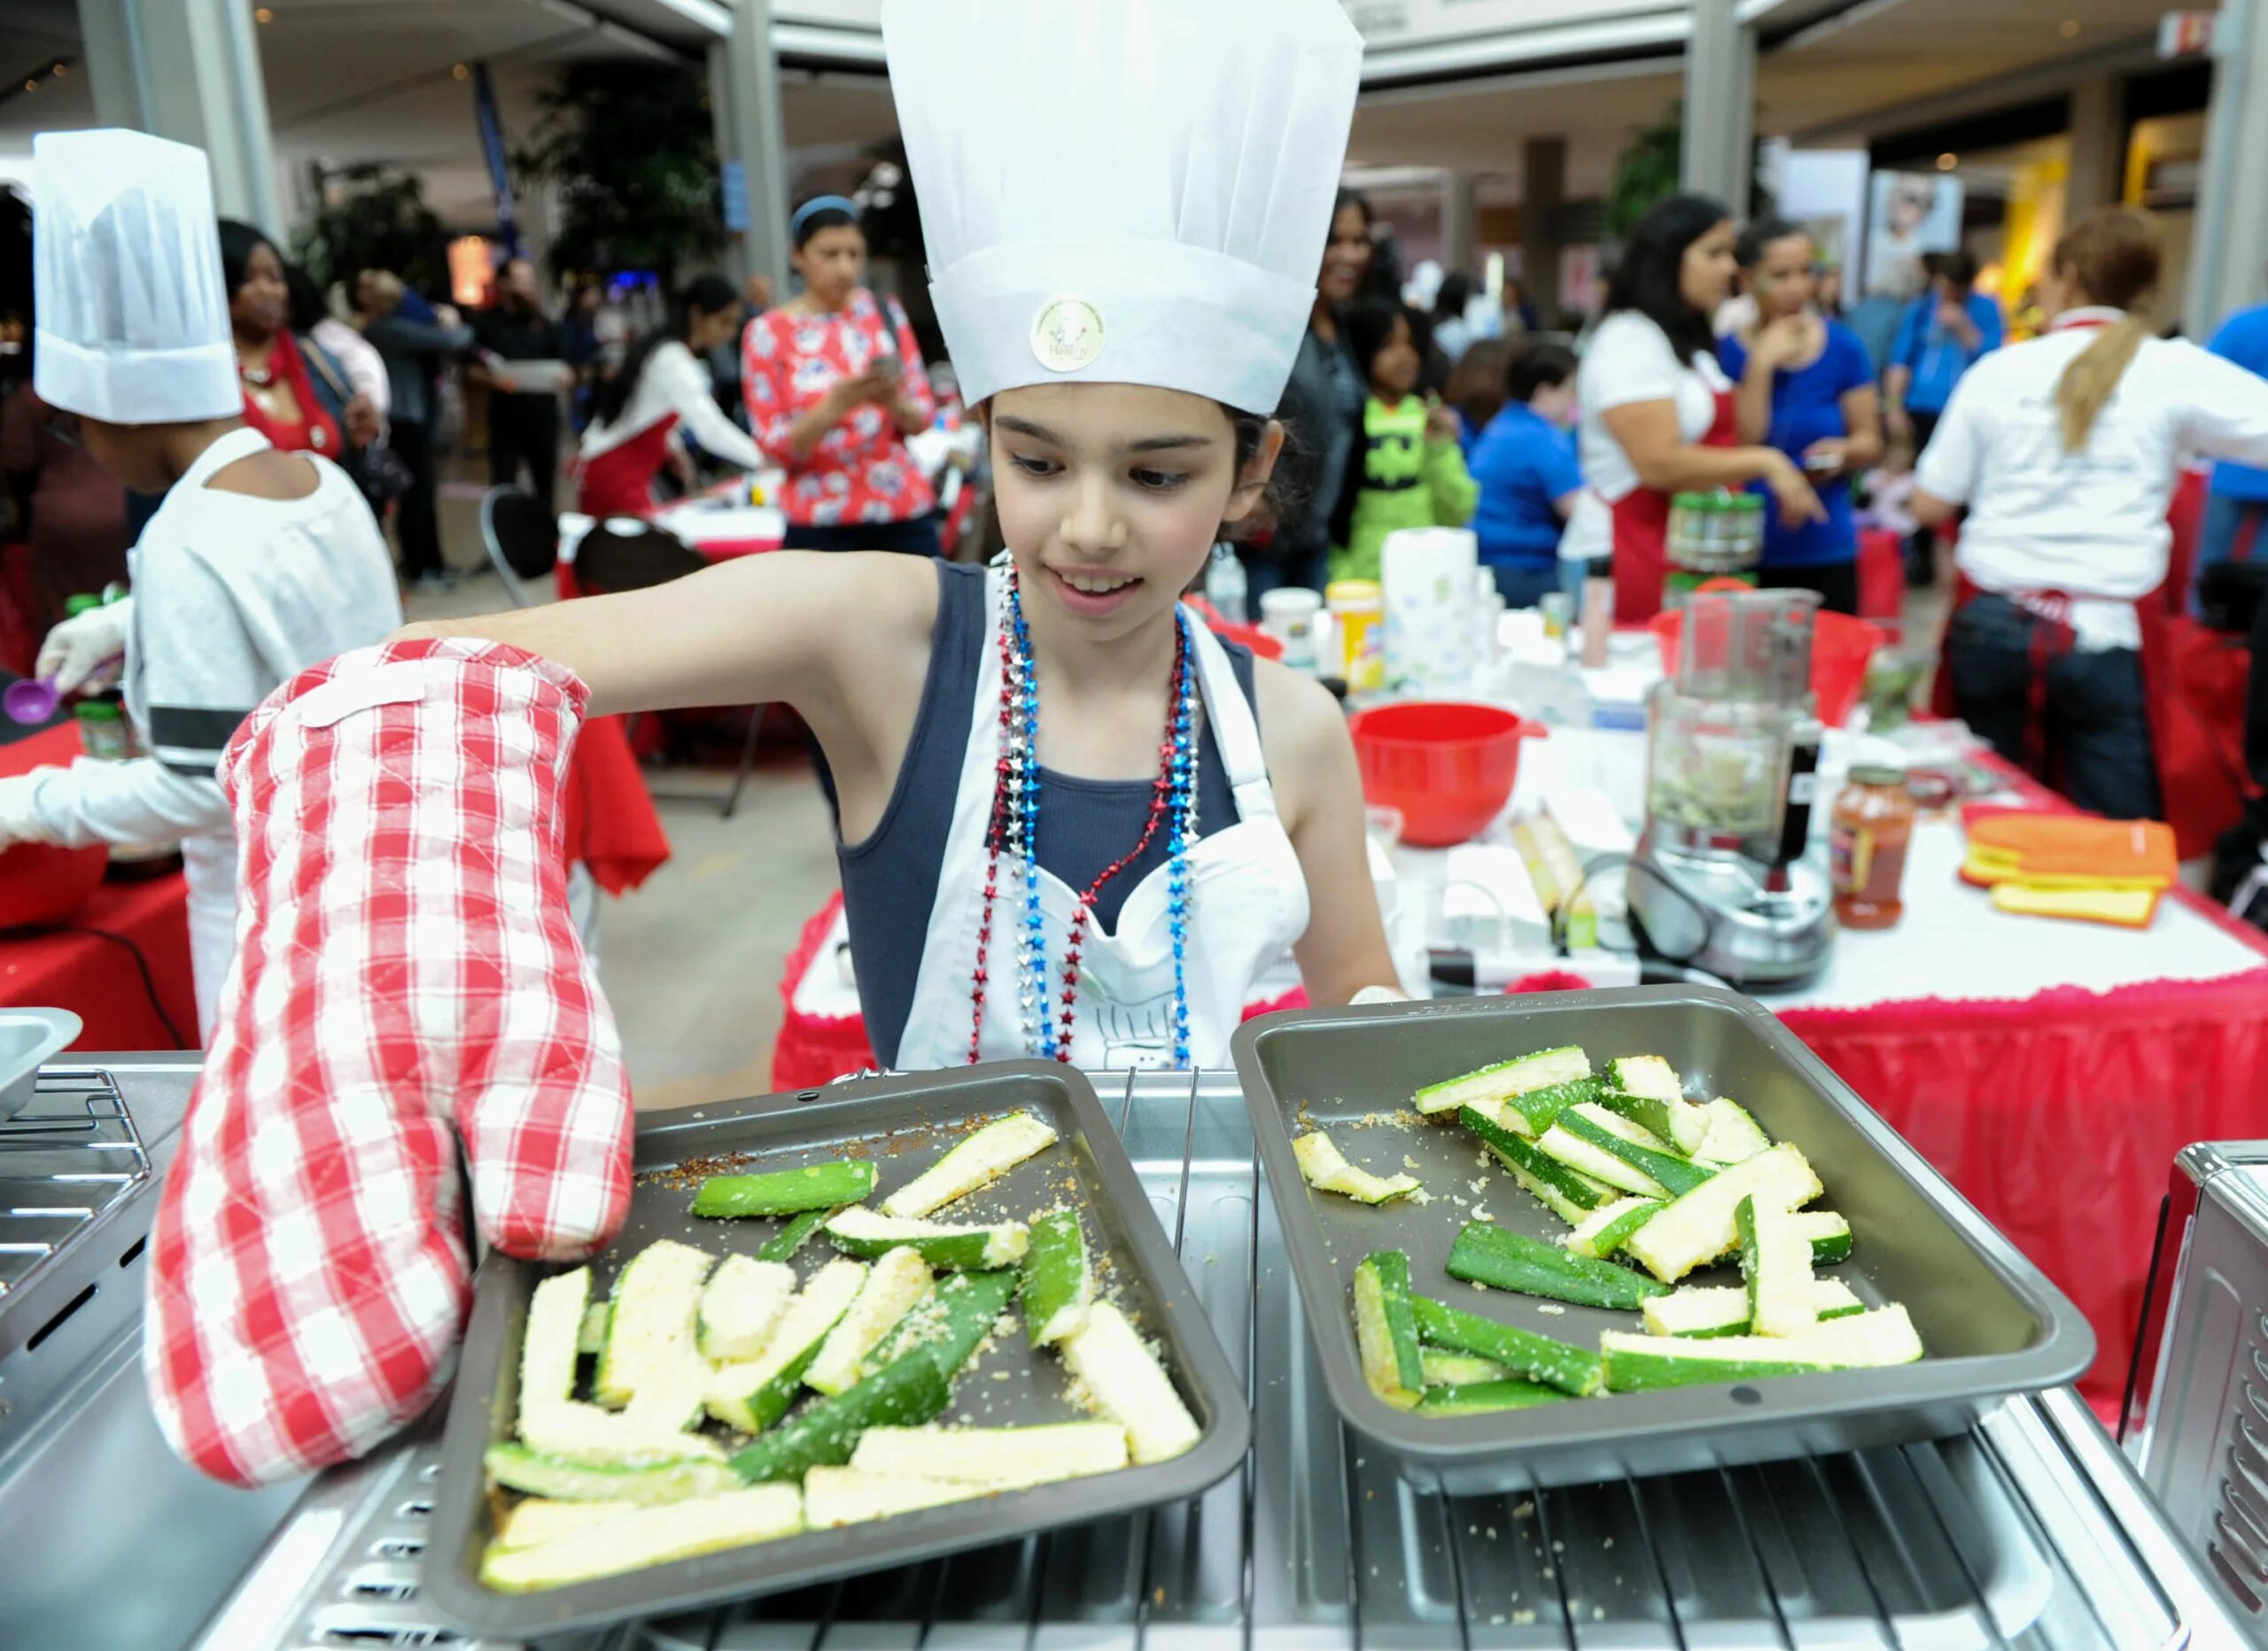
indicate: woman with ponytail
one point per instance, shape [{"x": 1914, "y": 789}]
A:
[
  {"x": 2064, "y": 450},
  {"x": 663, "y": 394}
]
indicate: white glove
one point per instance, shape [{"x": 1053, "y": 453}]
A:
[
  {"x": 87, "y": 651},
  {"x": 19, "y": 821}
]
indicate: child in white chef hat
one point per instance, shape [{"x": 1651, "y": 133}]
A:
[{"x": 1073, "y": 822}]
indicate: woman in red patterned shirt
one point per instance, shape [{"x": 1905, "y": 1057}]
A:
[{"x": 835, "y": 386}]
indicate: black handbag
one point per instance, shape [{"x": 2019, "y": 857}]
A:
[{"x": 379, "y": 470}]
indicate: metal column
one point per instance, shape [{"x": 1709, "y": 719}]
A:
[
  {"x": 189, "y": 70},
  {"x": 2229, "y": 268},
  {"x": 744, "y": 78},
  {"x": 1460, "y": 228},
  {"x": 1720, "y": 104}
]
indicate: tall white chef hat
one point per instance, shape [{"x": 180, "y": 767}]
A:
[
  {"x": 1124, "y": 192},
  {"x": 132, "y": 311}
]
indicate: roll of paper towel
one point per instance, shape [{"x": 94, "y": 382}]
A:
[{"x": 1428, "y": 575}]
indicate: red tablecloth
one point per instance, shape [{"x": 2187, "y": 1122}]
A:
[{"x": 87, "y": 965}]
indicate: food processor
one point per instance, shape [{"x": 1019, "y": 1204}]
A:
[{"x": 1718, "y": 881}]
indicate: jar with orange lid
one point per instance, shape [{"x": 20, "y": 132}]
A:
[{"x": 1871, "y": 827}]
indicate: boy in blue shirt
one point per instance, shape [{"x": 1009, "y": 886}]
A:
[
  {"x": 1524, "y": 462},
  {"x": 2236, "y": 512}
]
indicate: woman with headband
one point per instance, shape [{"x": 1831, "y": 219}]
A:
[{"x": 835, "y": 386}]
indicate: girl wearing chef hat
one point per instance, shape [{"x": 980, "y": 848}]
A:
[
  {"x": 258, "y": 563},
  {"x": 1072, "y": 824},
  {"x": 1098, "y": 823}
]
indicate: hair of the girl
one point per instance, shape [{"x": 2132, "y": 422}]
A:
[
  {"x": 238, "y": 242},
  {"x": 1455, "y": 293},
  {"x": 1370, "y": 326},
  {"x": 1539, "y": 365},
  {"x": 2110, "y": 257},
  {"x": 1477, "y": 387},
  {"x": 822, "y": 212},
  {"x": 704, "y": 295},
  {"x": 1647, "y": 278},
  {"x": 1359, "y": 201},
  {"x": 1748, "y": 251}
]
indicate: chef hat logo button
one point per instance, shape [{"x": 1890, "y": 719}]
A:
[{"x": 1067, "y": 335}]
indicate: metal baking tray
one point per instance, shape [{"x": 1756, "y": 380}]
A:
[
  {"x": 903, "y": 1124},
  {"x": 1993, "y": 1323}
]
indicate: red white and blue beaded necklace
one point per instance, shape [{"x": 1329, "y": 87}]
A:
[{"x": 1014, "y": 834}]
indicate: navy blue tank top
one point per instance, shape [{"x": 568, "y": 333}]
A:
[{"x": 890, "y": 881}]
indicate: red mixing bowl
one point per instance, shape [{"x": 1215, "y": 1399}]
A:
[{"x": 1448, "y": 766}]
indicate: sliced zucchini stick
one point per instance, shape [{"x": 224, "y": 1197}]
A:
[
  {"x": 593, "y": 1335},
  {"x": 783, "y": 1244},
  {"x": 1830, "y": 1235},
  {"x": 1600, "y": 1234},
  {"x": 1004, "y": 1459},
  {"x": 1479, "y": 1398},
  {"x": 1645, "y": 1088},
  {"x": 753, "y": 1396},
  {"x": 647, "y": 1536},
  {"x": 1531, "y": 1111},
  {"x": 1458, "y": 1369},
  {"x": 1861, "y": 1341},
  {"x": 1566, "y": 1193},
  {"x": 740, "y": 1304},
  {"x": 950, "y": 1321},
  {"x": 1386, "y": 1330},
  {"x": 537, "y": 1520},
  {"x": 824, "y": 1434},
  {"x": 1494, "y": 1085},
  {"x": 1638, "y": 1147},
  {"x": 1734, "y": 1137},
  {"x": 651, "y": 1330},
  {"x": 1124, "y": 1381},
  {"x": 861, "y": 1232},
  {"x": 1579, "y": 1153},
  {"x": 1775, "y": 1264},
  {"x": 549, "y": 1342},
  {"x": 835, "y": 1497},
  {"x": 517, "y": 1468},
  {"x": 1697, "y": 1229},
  {"x": 1058, "y": 1278},
  {"x": 1572, "y": 1369},
  {"x": 983, "y": 1158},
  {"x": 1708, "y": 1310},
  {"x": 899, "y": 1280},
  {"x": 1486, "y": 1253},
  {"x": 785, "y": 1191},
  {"x": 1323, "y": 1166}
]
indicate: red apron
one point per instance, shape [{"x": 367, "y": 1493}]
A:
[
  {"x": 620, "y": 481},
  {"x": 1642, "y": 530}
]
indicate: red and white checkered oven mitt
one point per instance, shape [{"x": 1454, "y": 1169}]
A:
[{"x": 405, "y": 963}]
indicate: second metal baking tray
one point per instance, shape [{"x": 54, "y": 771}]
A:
[
  {"x": 1990, "y": 1320},
  {"x": 903, "y": 1124}
]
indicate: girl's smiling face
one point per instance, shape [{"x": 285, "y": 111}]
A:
[{"x": 1111, "y": 496}]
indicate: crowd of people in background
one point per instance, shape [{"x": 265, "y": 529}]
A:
[{"x": 1715, "y": 356}]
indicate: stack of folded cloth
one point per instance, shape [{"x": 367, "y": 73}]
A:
[{"x": 2069, "y": 865}]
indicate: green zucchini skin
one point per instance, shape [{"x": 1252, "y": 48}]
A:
[
  {"x": 1680, "y": 1175},
  {"x": 517, "y": 1468},
  {"x": 1646, "y": 1373},
  {"x": 1568, "y": 1187},
  {"x": 1058, "y": 1277},
  {"x": 1385, "y": 1329},
  {"x": 949, "y": 1325},
  {"x": 1573, "y": 1370},
  {"x": 785, "y": 1191},
  {"x": 901, "y": 1394},
  {"x": 798, "y": 1233},
  {"x": 1485, "y": 1253},
  {"x": 1475, "y": 1399},
  {"x": 1541, "y": 1108}
]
